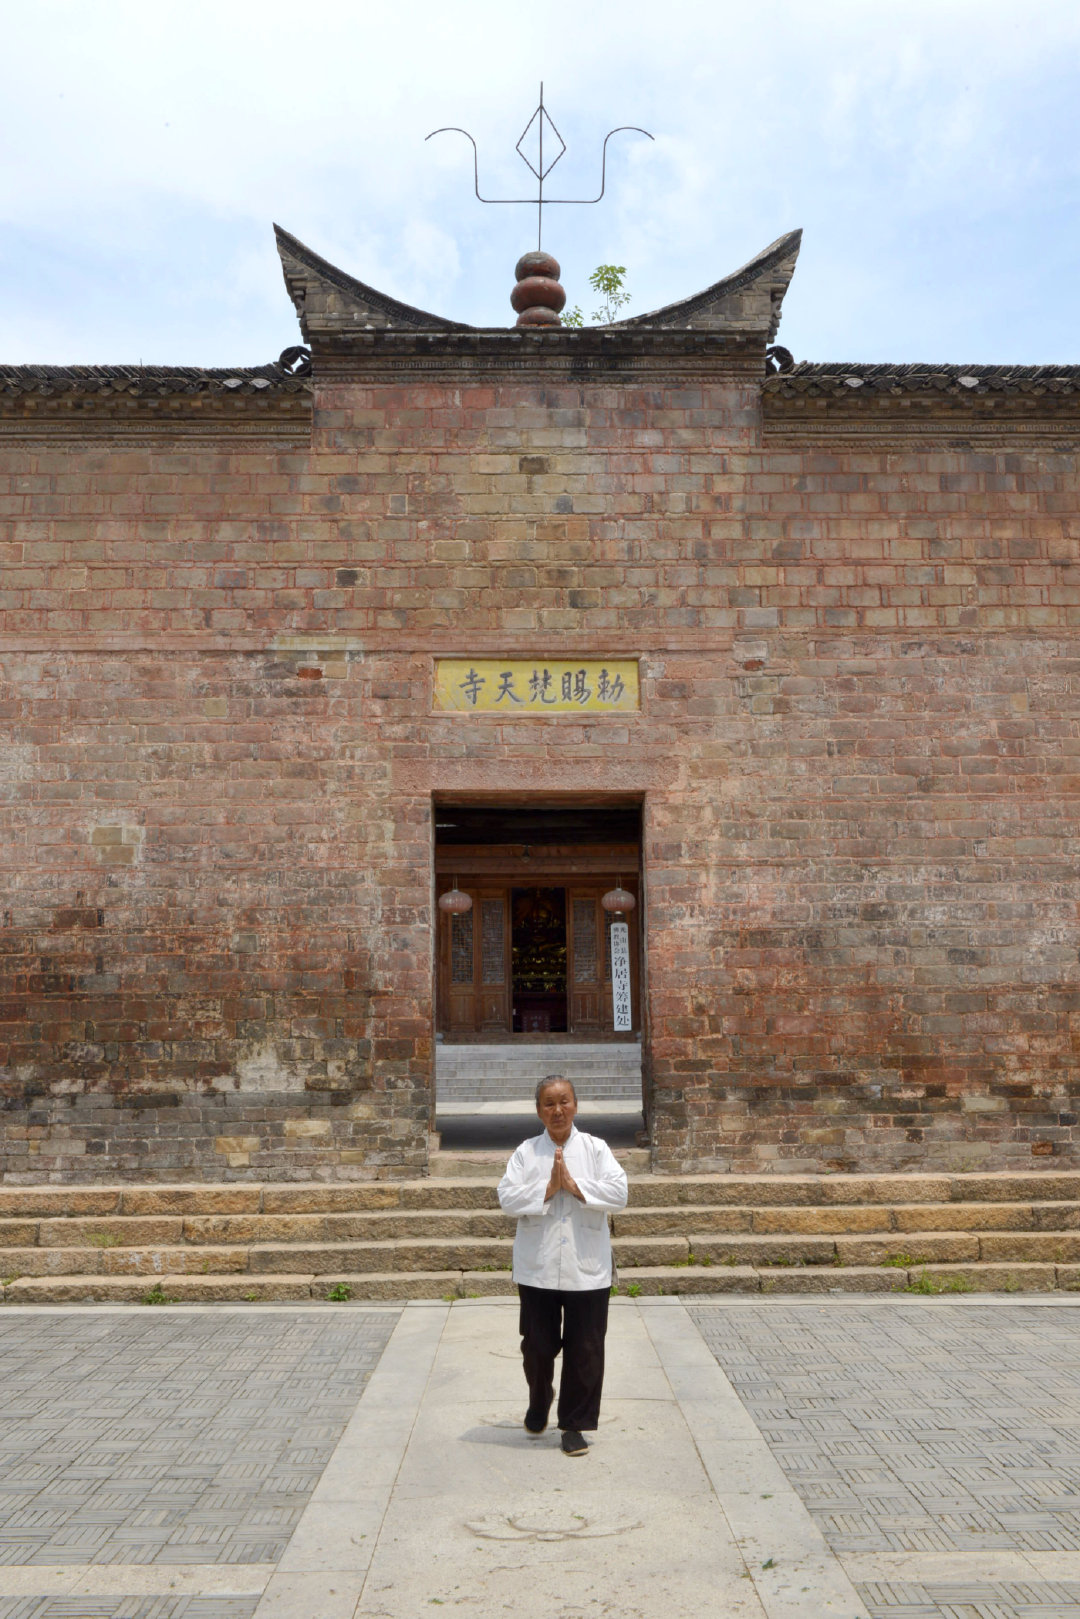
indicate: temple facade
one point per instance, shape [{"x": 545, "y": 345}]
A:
[{"x": 786, "y": 652}]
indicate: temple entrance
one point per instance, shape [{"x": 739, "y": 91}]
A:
[
  {"x": 527, "y": 982},
  {"x": 531, "y": 957}
]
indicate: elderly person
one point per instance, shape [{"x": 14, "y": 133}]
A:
[{"x": 560, "y": 1185}]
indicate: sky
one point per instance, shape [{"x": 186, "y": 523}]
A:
[{"x": 930, "y": 150}]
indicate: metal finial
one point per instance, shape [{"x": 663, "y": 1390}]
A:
[{"x": 542, "y": 119}]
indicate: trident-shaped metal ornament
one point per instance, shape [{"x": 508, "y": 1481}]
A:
[{"x": 540, "y": 169}]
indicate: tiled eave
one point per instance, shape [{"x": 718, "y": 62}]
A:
[
  {"x": 831, "y": 401},
  {"x": 829, "y": 380},
  {"x": 147, "y": 381},
  {"x": 129, "y": 402}
]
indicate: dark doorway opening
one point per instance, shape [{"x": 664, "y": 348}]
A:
[
  {"x": 538, "y": 960},
  {"x": 525, "y": 970},
  {"x": 525, "y": 955}
]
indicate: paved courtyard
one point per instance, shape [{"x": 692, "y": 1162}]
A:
[
  {"x": 884, "y": 1458},
  {"x": 172, "y": 1439},
  {"x": 936, "y": 1444}
]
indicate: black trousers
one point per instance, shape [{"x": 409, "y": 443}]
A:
[{"x": 576, "y": 1323}]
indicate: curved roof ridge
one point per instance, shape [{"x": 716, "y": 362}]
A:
[
  {"x": 360, "y": 303},
  {"x": 726, "y": 303}
]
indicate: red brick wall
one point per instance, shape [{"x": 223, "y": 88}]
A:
[{"x": 856, "y": 751}]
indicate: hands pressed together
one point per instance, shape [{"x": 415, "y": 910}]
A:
[{"x": 562, "y": 1180}]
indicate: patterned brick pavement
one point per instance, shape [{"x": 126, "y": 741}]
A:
[
  {"x": 982, "y": 1599},
  {"x": 171, "y": 1439},
  {"x": 933, "y": 1427}
]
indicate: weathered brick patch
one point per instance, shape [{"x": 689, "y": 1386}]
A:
[{"x": 210, "y": 1135}]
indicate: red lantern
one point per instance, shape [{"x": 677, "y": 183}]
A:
[
  {"x": 454, "y": 901},
  {"x": 618, "y": 899}
]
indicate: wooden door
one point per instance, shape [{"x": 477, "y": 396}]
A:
[
  {"x": 474, "y": 963},
  {"x": 584, "y": 965},
  {"x": 493, "y": 960}
]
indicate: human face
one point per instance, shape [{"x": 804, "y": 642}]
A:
[{"x": 556, "y": 1109}]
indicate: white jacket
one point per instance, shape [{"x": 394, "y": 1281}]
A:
[{"x": 563, "y": 1244}]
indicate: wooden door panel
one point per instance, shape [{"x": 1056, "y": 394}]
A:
[
  {"x": 474, "y": 963},
  {"x": 584, "y": 935},
  {"x": 461, "y": 970},
  {"x": 494, "y": 964}
]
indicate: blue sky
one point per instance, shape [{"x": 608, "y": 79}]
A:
[{"x": 930, "y": 149}]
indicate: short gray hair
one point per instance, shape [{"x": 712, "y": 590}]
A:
[{"x": 554, "y": 1079}]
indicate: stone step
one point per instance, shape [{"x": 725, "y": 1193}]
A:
[
  {"x": 1032, "y": 1201},
  {"x": 847, "y": 1219},
  {"x": 1013, "y": 1230},
  {"x": 463, "y": 1092},
  {"x": 180, "y": 1288},
  {"x": 536, "y": 1060},
  {"x": 435, "y": 1253},
  {"x": 1022, "y": 1228},
  {"x": 491, "y": 1163},
  {"x": 138, "y": 1231},
  {"x": 600, "y": 1072},
  {"x": 437, "y": 1250},
  {"x": 495, "y": 1074},
  {"x": 314, "y": 1258},
  {"x": 602, "y": 1067}
]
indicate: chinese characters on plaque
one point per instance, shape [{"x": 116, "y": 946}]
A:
[
  {"x": 620, "y": 977},
  {"x": 525, "y": 686}
]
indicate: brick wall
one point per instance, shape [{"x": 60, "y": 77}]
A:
[{"x": 857, "y": 755}]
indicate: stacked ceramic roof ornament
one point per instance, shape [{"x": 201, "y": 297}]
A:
[{"x": 538, "y": 296}]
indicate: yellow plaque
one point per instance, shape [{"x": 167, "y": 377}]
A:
[{"x": 537, "y": 686}]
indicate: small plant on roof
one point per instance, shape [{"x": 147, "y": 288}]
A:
[{"x": 607, "y": 280}]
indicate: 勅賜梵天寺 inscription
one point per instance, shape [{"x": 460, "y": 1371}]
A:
[{"x": 532, "y": 685}]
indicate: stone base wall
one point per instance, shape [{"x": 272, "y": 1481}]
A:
[
  {"x": 866, "y": 1128},
  {"x": 210, "y": 1136}
]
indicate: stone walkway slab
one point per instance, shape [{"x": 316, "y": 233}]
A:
[{"x": 464, "y": 1511}]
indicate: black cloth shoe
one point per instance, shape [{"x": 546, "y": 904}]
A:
[
  {"x": 535, "y": 1422},
  {"x": 573, "y": 1443}
]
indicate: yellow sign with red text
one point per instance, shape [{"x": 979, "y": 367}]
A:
[{"x": 537, "y": 686}]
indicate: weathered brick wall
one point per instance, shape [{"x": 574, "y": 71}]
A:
[
  {"x": 856, "y": 754},
  {"x": 204, "y": 881}
]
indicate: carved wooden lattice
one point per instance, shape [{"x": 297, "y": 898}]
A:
[
  {"x": 493, "y": 942},
  {"x": 461, "y": 947},
  {"x": 584, "y": 941}
]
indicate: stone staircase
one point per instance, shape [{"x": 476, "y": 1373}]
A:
[
  {"x": 602, "y": 1071},
  {"x": 445, "y": 1237}
]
